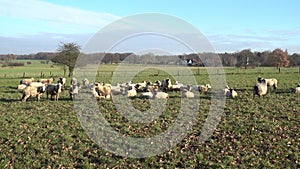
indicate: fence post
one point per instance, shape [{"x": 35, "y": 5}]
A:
[
  {"x": 23, "y": 74},
  {"x": 41, "y": 73},
  {"x": 177, "y": 72},
  {"x": 198, "y": 71},
  {"x": 98, "y": 74}
]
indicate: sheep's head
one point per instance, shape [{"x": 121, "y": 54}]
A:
[{"x": 208, "y": 86}]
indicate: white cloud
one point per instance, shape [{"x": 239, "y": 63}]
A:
[{"x": 54, "y": 17}]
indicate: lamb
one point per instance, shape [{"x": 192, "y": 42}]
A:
[
  {"x": 32, "y": 91},
  {"x": 296, "y": 90},
  {"x": 53, "y": 90},
  {"x": 27, "y": 81},
  {"x": 74, "y": 90},
  {"x": 231, "y": 93},
  {"x": 260, "y": 88},
  {"x": 187, "y": 94},
  {"x": 46, "y": 81}
]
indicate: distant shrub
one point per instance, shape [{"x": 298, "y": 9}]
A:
[
  {"x": 28, "y": 63},
  {"x": 4, "y": 65},
  {"x": 14, "y": 64},
  {"x": 43, "y": 62},
  {"x": 52, "y": 66}
]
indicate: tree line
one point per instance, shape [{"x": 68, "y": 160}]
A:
[{"x": 67, "y": 54}]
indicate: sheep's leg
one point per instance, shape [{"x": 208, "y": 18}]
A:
[{"x": 25, "y": 98}]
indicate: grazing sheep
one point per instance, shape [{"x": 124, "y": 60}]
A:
[
  {"x": 53, "y": 90},
  {"x": 74, "y": 90},
  {"x": 27, "y": 81},
  {"x": 260, "y": 88},
  {"x": 31, "y": 91},
  {"x": 21, "y": 87},
  {"x": 62, "y": 81},
  {"x": 187, "y": 94},
  {"x": 46, "y": 81}
]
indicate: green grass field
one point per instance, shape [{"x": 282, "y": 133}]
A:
[{"x": 252, "y": 133}]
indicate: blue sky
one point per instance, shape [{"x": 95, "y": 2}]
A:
[{"x": 30, "y": 26}]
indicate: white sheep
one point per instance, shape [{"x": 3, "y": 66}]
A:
[
  {"x": 146, "y": 95},
  {"x": 160, "y": 95},
  {"x": 53, "y": 90},
  {"x": 74, "y": 90},
  {"x": 187, "y": 94},
  {"x": 31, "y": 91},
  {"x": 260, "y": 88}
]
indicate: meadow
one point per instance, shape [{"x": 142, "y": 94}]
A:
[{"x": 252, "y": 133}]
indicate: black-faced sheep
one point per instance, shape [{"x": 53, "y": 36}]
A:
[
  {"x": 62, "y": 81},
  {"x": 31, "y": 91},
  {"x": 166, "y": 84},
  {"x": 270, "y": 82},
  {"x": 260, "y": 88},
  {"x": 53, "y": 90},
  {"x": 27, "y": 81},
  {"x": 296, "y": 90}
]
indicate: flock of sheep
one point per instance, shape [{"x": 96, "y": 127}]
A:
[{"x": 156, "y": 90}]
